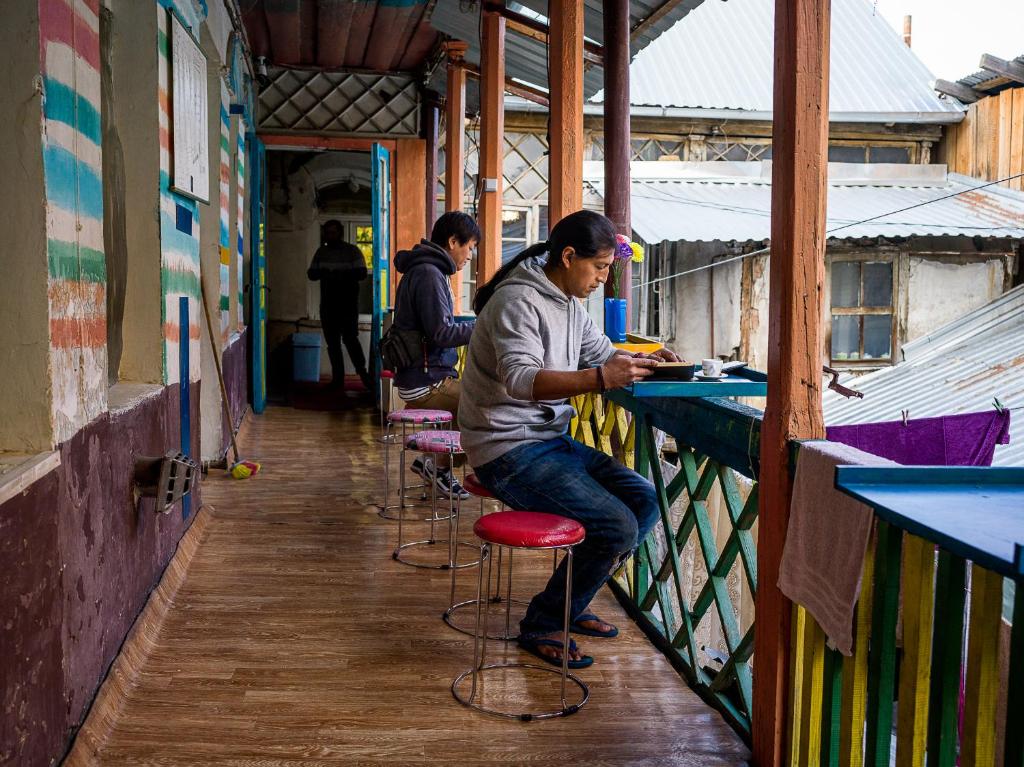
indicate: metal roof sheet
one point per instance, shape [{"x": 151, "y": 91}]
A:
[
  {"x": 721, "y": 57},
  {"x": 959, "y": 368},
  {"x": 726, "y": 201},
  {"x": 526, "y": 58}
]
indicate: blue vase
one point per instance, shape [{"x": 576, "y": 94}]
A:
[{"x": 615, "y": 319}]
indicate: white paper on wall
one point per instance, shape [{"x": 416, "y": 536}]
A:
[{"x": 189, "y": 147}]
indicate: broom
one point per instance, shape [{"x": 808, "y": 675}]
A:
[{"x": 240, "y": 469}]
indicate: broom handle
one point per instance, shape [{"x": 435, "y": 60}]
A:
[{"x": 220, "y": 374}]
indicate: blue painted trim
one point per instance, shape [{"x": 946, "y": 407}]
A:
[
  {"x": 973, "y": 512},
  {"x": 380, "y": 184},
  {"x": 256, "y": 163},
  {"x": 185, "y": 409}
]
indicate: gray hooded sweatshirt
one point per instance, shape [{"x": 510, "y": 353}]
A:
[{"x": 529, "y": 325}]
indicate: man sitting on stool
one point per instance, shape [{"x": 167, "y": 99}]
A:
[{"x": 339, "y": 266}]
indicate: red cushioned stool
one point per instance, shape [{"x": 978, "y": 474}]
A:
[
  {"x": 534, "y": 531},
  {"x": 437, "y": 442},
  {"x": 419, "y": 418}
]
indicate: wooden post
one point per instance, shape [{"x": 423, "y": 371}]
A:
[
  {"x": 492, "y": 144},
  {"x": 455, "y": 145},
  {"x": 409, "y": 201},
  {"x": 429, "y": 128},
  {"x": 617, "y": 130},
  {"x": 565, "y": 185},
  {"x": 793, "y": 410}
]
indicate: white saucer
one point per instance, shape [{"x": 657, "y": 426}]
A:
[{"x": 703, "y": 377}]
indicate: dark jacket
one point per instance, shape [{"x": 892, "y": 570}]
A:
[
  {"x": 424, "y": 303},
  {"x": 339, "y": 268}
]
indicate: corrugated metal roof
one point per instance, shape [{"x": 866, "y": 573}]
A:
[
  {"x": 959, "y": 368},
  {"x": 983, "y": 80},
  {"x": 526, "y": 58},
  {"x": 721, "y": 57},
  {"x": 707, "y": 201}
]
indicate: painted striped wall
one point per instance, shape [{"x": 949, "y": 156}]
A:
[
  {"x": 224, "y": 304},
  {"x": 240, "y": 245},
  {"x": 179, "y": 216},
  {"x": 71, "y": 146}
]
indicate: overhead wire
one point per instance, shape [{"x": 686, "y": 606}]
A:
[{"x": 767, "y": 249}]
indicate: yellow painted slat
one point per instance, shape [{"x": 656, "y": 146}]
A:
[
  {"x": 978, "y": 748},
  {"x": 796, "y": 684},
  {"x": 918, "y": 601},
  {"x": 813, "y": 661},
  {"x": 855, "y": 673}
]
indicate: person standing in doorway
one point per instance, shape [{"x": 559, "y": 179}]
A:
[{"x": 339, "y": 266}]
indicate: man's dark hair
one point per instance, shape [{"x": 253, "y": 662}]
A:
[{"x": 455, "y": 224}]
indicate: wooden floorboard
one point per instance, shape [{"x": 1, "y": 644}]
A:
[{"x": 296, "y": 640}]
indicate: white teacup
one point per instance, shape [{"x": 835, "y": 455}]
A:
[{"x": 711, "y": 368}]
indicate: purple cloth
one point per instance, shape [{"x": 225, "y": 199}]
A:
[{"x": 969, "y": 439}]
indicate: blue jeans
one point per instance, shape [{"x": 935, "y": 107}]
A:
[{"x": 616, "y": 506}]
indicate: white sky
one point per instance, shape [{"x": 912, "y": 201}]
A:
[{"x": 949, "y": 36}]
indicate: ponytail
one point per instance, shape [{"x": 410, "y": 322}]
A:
[
  {"x": 484, "y": 292},
  {"x": 586, "y": 232}
]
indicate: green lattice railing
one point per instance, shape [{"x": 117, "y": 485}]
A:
[{"x": 692, "y": 585}]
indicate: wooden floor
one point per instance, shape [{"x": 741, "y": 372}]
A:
[{"x": 296, "y": 640}]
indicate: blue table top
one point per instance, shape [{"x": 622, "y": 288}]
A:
[
  {"x": 740, "y": 383},
  {"x": 975, "y": 513}
]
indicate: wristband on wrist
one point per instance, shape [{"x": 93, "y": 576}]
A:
[{"x": 600, "y": 379}]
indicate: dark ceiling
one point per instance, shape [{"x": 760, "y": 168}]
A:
[{"x": 373, "y": 35}]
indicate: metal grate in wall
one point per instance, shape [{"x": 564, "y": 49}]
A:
[{"x": 339, "y": 103}]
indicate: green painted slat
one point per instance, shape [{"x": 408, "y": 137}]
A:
[
  {"x": 647, "y": 433},
  {"x": 831, "y": 707},
  {"x": 882, "y": 655},
  {"x": 641, "y": 562},
  {"x": 1013, "y": 753},
  {"x": 947, "y": 647}
]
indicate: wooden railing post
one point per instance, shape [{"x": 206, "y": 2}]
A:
[
  {"x": 793, "y": 411},
  {"x": 455, "y": 144},
  {"x": 492, "y": 143},
  {"x": 566, "y": 174}
]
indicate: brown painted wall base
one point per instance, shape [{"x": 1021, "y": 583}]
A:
[
  {"x": 137, "y": 647},
  {"x": 80, "y": 558}
]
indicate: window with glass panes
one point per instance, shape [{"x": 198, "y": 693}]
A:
[{"x": 862, "y": 311}]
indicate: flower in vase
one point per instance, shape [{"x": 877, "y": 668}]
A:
[{"x": 625, "y": 252}]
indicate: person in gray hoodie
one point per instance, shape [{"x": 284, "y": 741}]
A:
[{"x": 534, "y": 346}]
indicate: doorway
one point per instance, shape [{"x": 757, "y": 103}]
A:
[{"x": 305, "y": 190}]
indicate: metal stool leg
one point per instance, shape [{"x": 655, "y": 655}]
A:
[{"x": 480, "y": 652}]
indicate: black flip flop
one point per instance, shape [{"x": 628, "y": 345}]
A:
[
  {"x": 533, "y": 646},
  {"x": 576, "y": 628}
]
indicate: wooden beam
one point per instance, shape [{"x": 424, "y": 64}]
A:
[
  {"x": 539, "y": 31},
  {"x": 617, "y": 128},
  {"x": 410, "y": 202},
  {"x": 522, "y": 90},
  {"x": 793, "y": 410},
  {"x": 304, "y": 141},
  {"x": 565, "y": 179},
  {"x": 492, "y": 144},
  {"x": 958, "y": 91},
  {"x": 455, "y": 145},
  {"x": 1011, "y": 70},
  {"x": 655, "y": 16}
]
